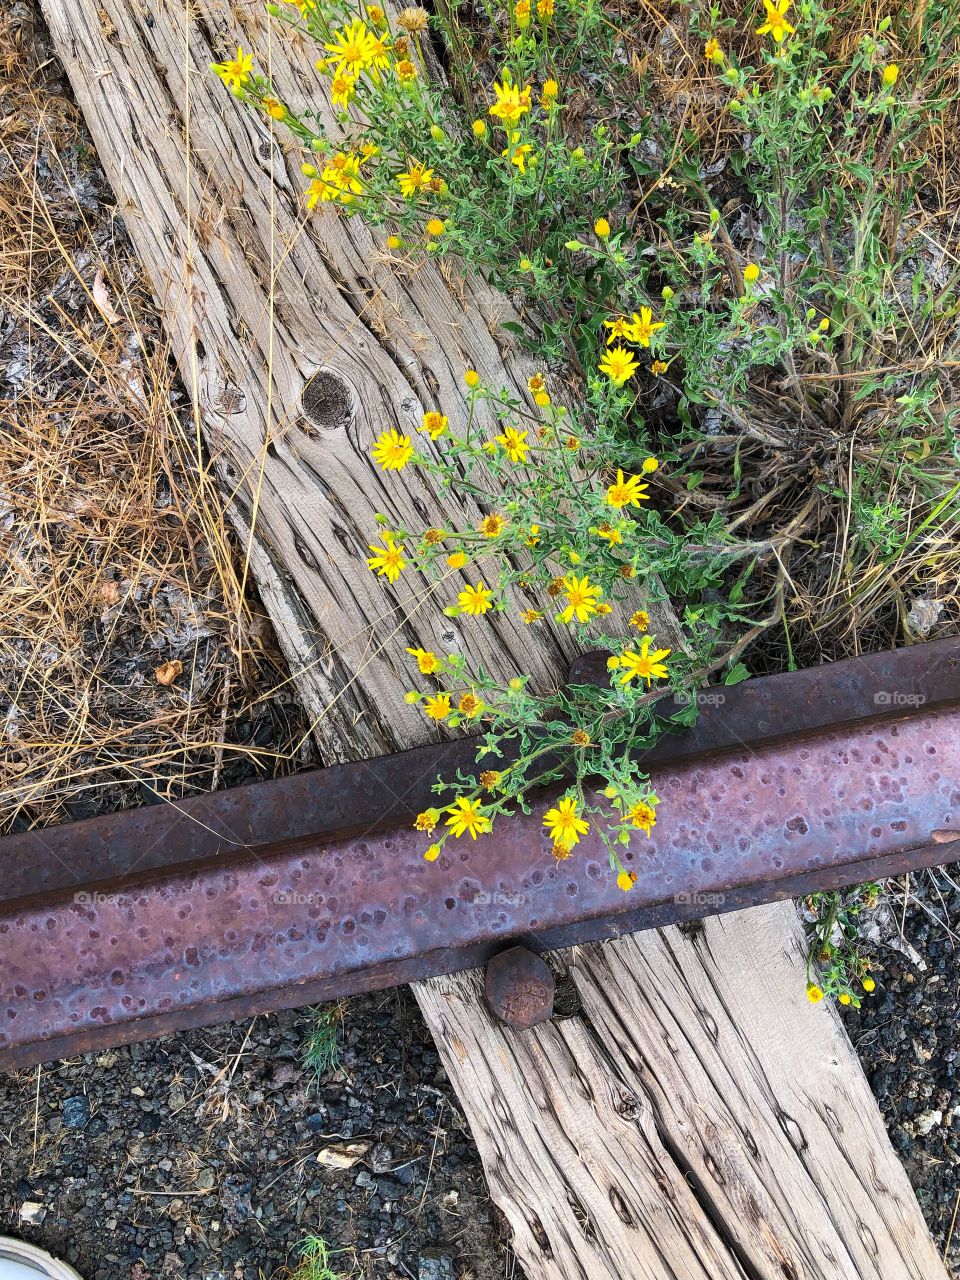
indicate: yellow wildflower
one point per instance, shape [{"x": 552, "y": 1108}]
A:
[
  {"x": 640, "y": 620},
  {"x": 890, "y": 74},
  {"x": 531, "y": 615},
  {"x": 475, "y": 601},
  {"x": 438, "y": 707},
  {"x": 814, "y": 993},
  {"x": 427, "y": 821},
  {"x": 629, "y": 492},
  {"x": 492, "y": 526},
  {"x": 658, "y": 367},
  {"x": 625, "y": 881},
  {"x": 512, "y": 102},
  {"x": 387, "y": 560},
  {"x": 643, "y": 665},
  {"x": 489, "y": 779},
  {"x": 643, "y": 816},
  {"x": 392, "y": 450},
  {"x": 433, "y": 853},
  {"x": 416, "y": 178},
  {"x": 751, "y": 272},
  {"x": 869, "y": 985},
  {"x": 776, "y": 23},
  {"x": 472, "y": 379},
  {"x": 479, "y": 128},
  {"x": 544, "y": 9},
  {"x": 580, "y": 738},
  {"x": 405, "y": 70},
  {"x": 470, "y": 705},
  {"x": 274, "y": 109},
  {"x": 563, "y": 825},
  {"x": 601, "y": 228},
  {"x": 643, "y": 327},
  {"x": 435, "y": 424},
  {"x": 521, "y": 11},
  {"x": 352, "y": 48},
  {"x": 436, "y": 227},
  {"x": 712, "y": 51},
  {"x": 342, "y": 89},
  {"x": 236, "y": 72},
  {"x": 426, "y": 660},
  {"x": 618, "y": 364},
  {"x": 619, "y": 327},
  {"x": 518, "y": 155},
  {"x": 548, "y": 98},
  {"x": 376, "y": 15},
  {"x": 394, "y": 242},
  {"x": 582, "y": 597},
  {"x": 610, "y": 534},
  {"x": 467, "y": 817},
  {"x": 433, "y": 537},
  {"x": 514, "y": 444},
  {"x": 456, "y": 560},
  {"x": 649, "y": 465}
]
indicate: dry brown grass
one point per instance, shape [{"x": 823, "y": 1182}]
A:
[{"x": 116, "y": 556}]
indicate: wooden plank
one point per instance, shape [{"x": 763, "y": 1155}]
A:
[
  {"x": 725, "y": 1118},
  {"x": 581, "y": 1151}
]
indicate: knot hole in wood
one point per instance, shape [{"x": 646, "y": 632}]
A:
[{"x": 328, "y": 400}]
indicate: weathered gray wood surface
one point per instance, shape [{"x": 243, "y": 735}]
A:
[{"x": 700, "y": 1120}]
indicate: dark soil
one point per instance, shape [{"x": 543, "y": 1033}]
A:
[{"x": 196, "y": 1156}]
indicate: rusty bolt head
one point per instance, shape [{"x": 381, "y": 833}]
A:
[{"x": 519, "y": 988}]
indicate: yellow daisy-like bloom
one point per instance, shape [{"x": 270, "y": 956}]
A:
[
  {"x": 626, "y": 492},
  {"x": 387, "y": 561},
  {"x": 560, "y": 853},
  {"x": 342, "y": 90},
  {"x": 489, "y": 779},
  {"x": 438, "y": 707},
  {"x": 814, "y": 993},
  {"x": 521, "y": 11},
  {"x": 530, "y": 616},
  {"x": 379, "y": 61},
  {"x": 548, "y": 98},
  {"x": 603, "y": 607},
  {"x": 649, "y": 465},
  {"x": 643, "y": 327},
  {"x": 376, "y": 15},
  {"x": 610, "y": 534},
  {"x": 274, "y": 109},
  {"x": 537, "y": 383},
  {"x": 625, "y": 881},
  {"x": 618, "y": 326},
  {"x": 392, "y": 450},
  {"x": 751, "y": 272},
  {"x": 618, "y": 364},
  {"x": 479, "y": 128},
  {"x": 427, "y": 661},
  {"x": 514, "y": 444},
  {"x": 712, "y": 51},
  {"x": 844, "y": 997},
  {"x": 394, "y": 242},
  {"x": 512, "y": 102},
  {"x": 582, "y": 598},
  {"x": 518, "y": 155},
  {"x": 352, "y": 48},
  {"x": 563, "y": 825},
  {"x": 640, "y": 620},
  {"x": 467, "y": 817},
  {"x": 472, "y": 379},
  {"x": 643, "y": 816},
  {"x": 436, "y": 227},
  {"x": 236, "y": 72},
  {"x": 643, "y": 665},
  {"x": 470, "y": 706},
  {"x": 601, "y": 228},
  {"x": 435, "y": 424},
  {"x": 869, "y": 985},
  {"x": 890, "y": 74},
  {"x": 432, "y": 854},
  {"x": 533, "y": 537},
  {"x": 492, "y": 526},
  {"x": 456, "y": 560},
  {"x": 405, "y": 70},
  {"x": 776, "y": 23},
  {"x": 433, "y": 537},
  {"x": 544, "y": 9},
  {"x": 475, "y": 601},
  {"x": 338, "y": 181},
  {"x": 427, "y": 821},
  {"x": 416, "y": 178}
]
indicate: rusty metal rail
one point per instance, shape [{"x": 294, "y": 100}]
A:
[{"x": 312, "y": 887}]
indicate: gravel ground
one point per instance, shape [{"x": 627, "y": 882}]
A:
[{"x": 210, "y": 1155}]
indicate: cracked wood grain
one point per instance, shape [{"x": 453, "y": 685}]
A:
[
  {"x": 696, "y": 1122},
  {"x": 697, "y": 1118}
]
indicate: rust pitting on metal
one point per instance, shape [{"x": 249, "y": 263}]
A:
[{"x": 219, "y": 921}]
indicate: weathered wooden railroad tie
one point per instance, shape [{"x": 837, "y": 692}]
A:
[{"x": 308, "y": 888}]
